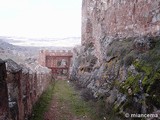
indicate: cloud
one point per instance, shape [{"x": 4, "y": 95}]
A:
[
  {"x": 67, "y": 42},
  {"x": 40, "y": 18}
]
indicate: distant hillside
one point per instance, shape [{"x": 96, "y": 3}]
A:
[
  {"x": 8, "y": 43},
  {"x": 7, "y": 46},
  {"x": 44, "y": 42},
  {"x": 21, "y": 53},
  {"x": 17, "y": 53}
]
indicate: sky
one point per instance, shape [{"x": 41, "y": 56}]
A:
[{"x": 40, "y": 18}]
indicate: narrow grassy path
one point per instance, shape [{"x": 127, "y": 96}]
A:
[
  {"x": 70, "y": 99},
  {"x": 61, "y": 102},
  {"x": 43, "y": 103}
]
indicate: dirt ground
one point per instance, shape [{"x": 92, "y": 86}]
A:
[
  {"x": 60, "y": 111},
  {"x": 55, "y": 111}
]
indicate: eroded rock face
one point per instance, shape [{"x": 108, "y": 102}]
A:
[{"x": 119, "y": 57}]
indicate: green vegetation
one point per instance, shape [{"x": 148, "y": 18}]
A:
[
  {"x": 72, "y": 104},
  {"x": 151, "y": 80},
  {"x": 131, "y": 83},
  {"x": 95, "y": 110},
  {"x": 67, "y": 95},
  {"x": 145, "y": 67},
  {"x": 43, "y": 103},
  {"x": 149, "y": 65}
]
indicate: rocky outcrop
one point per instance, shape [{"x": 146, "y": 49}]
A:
[{"x": 119, "y": 57}]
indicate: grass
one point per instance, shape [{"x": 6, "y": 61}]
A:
[
  {"x": 70, "y": 101},
  {"x": 43, "y": 103},
  {"x": 66, "y": 94}
]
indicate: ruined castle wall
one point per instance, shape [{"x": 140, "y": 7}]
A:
[
  {"x": 118, "y": 19},
  {"x": 44, "y": 53},
  {"x": 26, "y": 92},
  {"x": 4, "y": 109},
  {"x": 59, "y": 61},
  {"x": 39, "y": 79},
  {"x": 15, "y": 91},
  {"x": 119, "y": 57},
  {"x": 21, "y": 86},
  {"x": 41, "y": 58}
]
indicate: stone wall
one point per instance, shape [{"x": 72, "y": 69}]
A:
[
  {"x": 3, "y": 92},
  {"x": 118, "y": 19},
  {"x": 24, "y": 85},
  {"x": 118, "y": 60},
  {"x": 43, "y": 53},
  {"x": 59, "y": 61}
]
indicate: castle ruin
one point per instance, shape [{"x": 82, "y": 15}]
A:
[{"x": 58, "y": 61}]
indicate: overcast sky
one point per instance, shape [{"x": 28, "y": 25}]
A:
[{"x": 40, "y": 18}]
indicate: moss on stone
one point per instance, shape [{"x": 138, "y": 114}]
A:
[
  {"x": 131, "y": 83},
  {"x": 149, "y": 65},
  {"x": 147, "y": 69}
]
